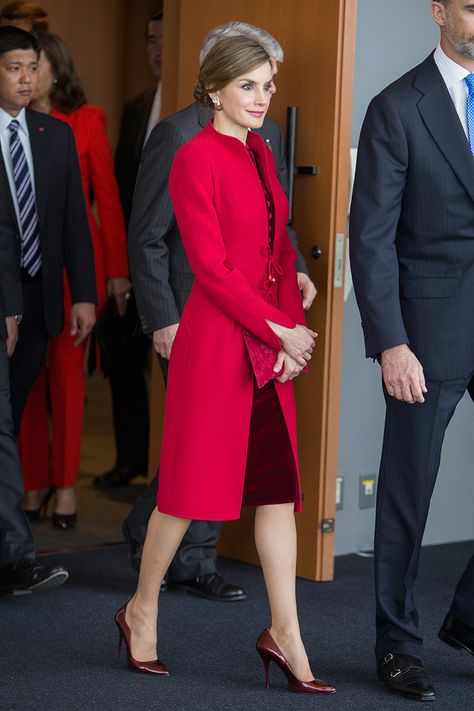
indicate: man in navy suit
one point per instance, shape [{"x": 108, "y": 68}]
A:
[{"x": 412, "y": 255}]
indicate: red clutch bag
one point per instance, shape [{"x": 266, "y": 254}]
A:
[{"x": 262, "y": 358}]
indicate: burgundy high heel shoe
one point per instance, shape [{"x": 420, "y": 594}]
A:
[
  {"x": 154, "y": 667},
  {"x": 269, "y": 651}
]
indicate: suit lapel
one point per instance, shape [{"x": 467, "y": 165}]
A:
[
  {"x": 41, "y": 152},
  {"x": 442, "y": 121},
  {"x": 5, "y": 187},
  {"x": 144, "y": 111}
]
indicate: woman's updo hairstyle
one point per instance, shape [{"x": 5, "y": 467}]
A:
[{"x": 229, "y": 58}]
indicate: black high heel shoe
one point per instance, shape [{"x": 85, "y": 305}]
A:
[
  {"x": 154, "y": 667},
  {"x": 270, "y": 652},
  {"x": 64, "y": 521},
  {"x": 42, "y": 510}
]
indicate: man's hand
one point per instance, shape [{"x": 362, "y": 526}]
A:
[
  {"x": 307, "y": 288},
  {"x": 403, "y": 374},
  {"x": 12, "y": 338},
  {"x": 120, "y": 288},
  {"x": 82, "y": 321},
  {"x": 163, "y": 340}
]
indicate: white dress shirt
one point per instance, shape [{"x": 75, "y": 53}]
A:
[
  {"x": 154, "y": 113},
  {"x": 453, "y": 75},
  {"x": 24, "y": 136}
]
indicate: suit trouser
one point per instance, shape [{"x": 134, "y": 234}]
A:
[
  {"x": 16, "y": 538},
  {"x": 411, "y": 454},
  {"x": 30, "y": 352},
  {"x": 130, "y": 403},
  {"x": 196, "y": 554}
]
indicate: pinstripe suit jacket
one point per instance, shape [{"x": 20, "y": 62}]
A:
[
  {"x": 412, "y": 226},
  {"x": 161, "y": 274}
]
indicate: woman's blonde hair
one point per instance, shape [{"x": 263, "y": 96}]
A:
[{"x": 230, "y": 58}]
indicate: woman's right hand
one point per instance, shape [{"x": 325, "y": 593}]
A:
[
  {"x": 298, "y": 342},
  {"x": 291, "y": 369}
]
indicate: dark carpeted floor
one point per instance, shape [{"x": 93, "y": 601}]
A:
[{"x": 59, "y": 648}]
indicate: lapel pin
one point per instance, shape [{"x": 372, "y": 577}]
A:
[{"x": 41, "y": 129}]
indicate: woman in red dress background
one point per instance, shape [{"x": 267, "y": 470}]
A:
[
  {"x": 227, "y": 442},
  {"x": 60, "y": 94}
]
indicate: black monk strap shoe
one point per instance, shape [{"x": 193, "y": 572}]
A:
[
  {"x": 118, "y": 476},
  {"x": 27, "y": 575},
  {"x": 404, "y": 675},
  {"x": 457, "y": 634},
  {"x": 212, "y": 586},
  {"x": 135, "y": 550}
]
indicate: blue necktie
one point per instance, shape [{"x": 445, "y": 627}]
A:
[
  {"x": 30, "y": 242},
  {"x": 470, "y": 109}
]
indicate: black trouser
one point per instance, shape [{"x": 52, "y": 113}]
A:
[
  {"x": 411, "y": 454},
  {"x": 30, "y": 352},
  {"x": 196, "y": 554},
  {"x": 130, "y": 403},
  {"x": 16, "y": 538}
]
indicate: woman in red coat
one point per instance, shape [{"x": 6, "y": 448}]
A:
[
  {"x": 227, "y": 441},
  {"x": 60, "y": 94}
]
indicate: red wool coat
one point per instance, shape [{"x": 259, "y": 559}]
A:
[{"x": 221, "y": 213}]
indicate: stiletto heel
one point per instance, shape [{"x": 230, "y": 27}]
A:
[
  {"x": 154, "y": 667},
  {"x": 266, "y": 664},
  {"x": 269, "y": 651}
]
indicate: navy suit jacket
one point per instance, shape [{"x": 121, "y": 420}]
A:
[{"x": 412, "y": 225}]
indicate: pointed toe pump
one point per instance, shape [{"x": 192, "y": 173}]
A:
[
  {"x": 153, "y": 667},
  {"x": 270, "y": 652}
]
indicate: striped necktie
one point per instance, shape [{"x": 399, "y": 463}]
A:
[
  {"x": 30, "y": 241},
  {"x": 470, "y": 110}
]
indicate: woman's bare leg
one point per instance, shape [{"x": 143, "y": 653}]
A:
[
  {"x": 164, "y": 534},
  {"x": 275, "y": 539}
]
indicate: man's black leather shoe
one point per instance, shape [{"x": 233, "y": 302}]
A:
[
  {"x": 135, "y": 550},
  {"x": 212, "y": 586},
  {"x": 27, "y": 575},
  {"x": 404, "y": 675},
  {"x": 457, "y": 634},
  {"x": 118, "y": 476}
]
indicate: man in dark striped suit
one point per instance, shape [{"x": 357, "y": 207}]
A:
[{"x": 162, "y": 280}]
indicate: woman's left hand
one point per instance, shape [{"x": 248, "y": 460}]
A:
[
  {"x": 120, "y": 288},
  {"x": 291, "y": 368}
]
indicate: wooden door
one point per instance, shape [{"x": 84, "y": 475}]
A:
[{"x": 316, "y": 76}]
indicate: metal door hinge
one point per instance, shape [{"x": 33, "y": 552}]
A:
[
  {"x": 339, "y": 260},
  {"x": 327, "y": 525}
]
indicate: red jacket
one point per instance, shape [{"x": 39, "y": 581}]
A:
[{"x": 222, "y": 217}]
